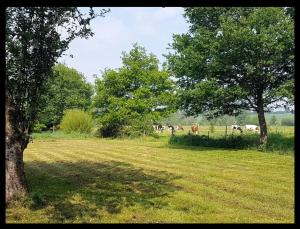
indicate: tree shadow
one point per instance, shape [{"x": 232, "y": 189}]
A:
[{"x": 71, "y": 190}]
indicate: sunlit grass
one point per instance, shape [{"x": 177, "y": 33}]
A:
[{"x": 145, "y": 180}]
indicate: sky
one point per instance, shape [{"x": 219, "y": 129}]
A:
[{"x": 150, "y": 27}]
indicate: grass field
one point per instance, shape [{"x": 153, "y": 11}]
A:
[{"x": 147, "y": 180}]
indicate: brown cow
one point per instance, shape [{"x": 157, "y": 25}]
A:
[{"x": 195, "y": 128}]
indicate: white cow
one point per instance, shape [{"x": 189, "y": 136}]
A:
[
  {"x": 252, "y": 128},
  {"x": 236, "y": 127},
  {"x": 158, "y": 128}
]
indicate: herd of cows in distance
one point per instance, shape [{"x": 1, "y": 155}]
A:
[{"x": 195, "y": 128}]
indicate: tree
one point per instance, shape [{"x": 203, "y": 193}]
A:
[
  {"x": 133, "y": 96},
  {"x": 35, "y": 38},
  {"x": 67, "y": 89},
  {"x": 237, "y": 61}
]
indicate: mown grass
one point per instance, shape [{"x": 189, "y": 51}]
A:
[
  {"x": 61, "y": 135},
  {"x": 146, "y": 180}
]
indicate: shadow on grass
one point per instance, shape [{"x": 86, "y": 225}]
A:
[
  {"x": 76, "y": 190},
  {"x": 276, "y": 142}
]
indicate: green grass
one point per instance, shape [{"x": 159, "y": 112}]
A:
[
  {"x": 146, "y": 180},
  {"x": 60, "y": 135}
]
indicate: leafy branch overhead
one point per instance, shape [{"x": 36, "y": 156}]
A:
[
  {"x": 234, "y": 59},
  {"x": 35, "y": 38}
]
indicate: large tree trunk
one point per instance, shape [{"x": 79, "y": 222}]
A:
[
  {"x": 262, "y": 125},
  {"x": 15, "y": 143}
]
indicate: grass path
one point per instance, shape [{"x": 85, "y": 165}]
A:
[{"x": 103, "y": 181}]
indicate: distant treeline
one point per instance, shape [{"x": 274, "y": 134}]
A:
[{"x": 275, "y": 118}]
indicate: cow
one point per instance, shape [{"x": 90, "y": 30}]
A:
[
  {"x": 236, "y": 127},
  {"x": 178, "y": 127},
  {"x": 171, "y": 128},
  {"x": 158, "y": 128},
  {"x": 251, "y": 128},
  {"x": 195, "y": 128}
]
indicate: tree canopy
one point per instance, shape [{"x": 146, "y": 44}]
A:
[
  {"x": 234, "y": 59},
  {"x": 35, "y": 38},
  {"x": 136, "y": 94},
  {"x": 67, "y": 89}
]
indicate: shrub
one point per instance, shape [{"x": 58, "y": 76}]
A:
[
  {"x": 122, "y": 123},
  {"x": 287, "y": 122},
  {"x": 39, "y": 127},
  {"x": 76, "y": 120},
  {"x": 276, "y": 142},
  {"x": 138, "y": 127},
  {"x": 119, "y": 128},
  {"x": 110, "y": 130}
]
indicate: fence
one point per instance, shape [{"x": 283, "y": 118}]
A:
[{"x": 227, "y": 132}]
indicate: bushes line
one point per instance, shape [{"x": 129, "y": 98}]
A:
[{"x": 276, "y": 142}]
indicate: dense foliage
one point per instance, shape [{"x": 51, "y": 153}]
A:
[
  {"x": 66, "y": 90},
  {"x": 33, "y": 44},
  {"x": 234, "y": 59},
  {"x": 131, "y": 98},
  {"x": 76, "y": 121}
]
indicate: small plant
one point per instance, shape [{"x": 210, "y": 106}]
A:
[
  {"x": 38, "y": 201},
  {"x": 77, "y": 121},
  {"x": 39, "y": 127}
]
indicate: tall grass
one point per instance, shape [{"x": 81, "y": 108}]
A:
[{"x": 77, "y": 121}]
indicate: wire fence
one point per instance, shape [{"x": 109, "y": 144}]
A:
[{"x": 227, "y": 132}]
